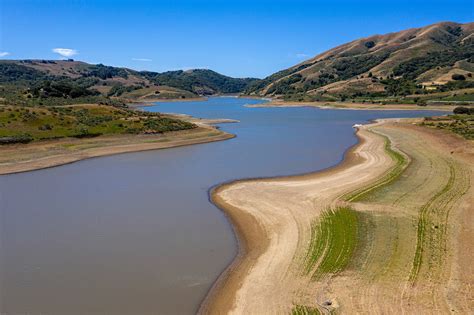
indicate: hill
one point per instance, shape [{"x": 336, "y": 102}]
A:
[
  {"x": 59, "y": 82},
  {"x": 419, "y": 61}
]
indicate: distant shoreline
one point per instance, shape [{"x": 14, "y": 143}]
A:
[
  {"x": 354, "y": 106},
  {"x": 149, "y": 102}
]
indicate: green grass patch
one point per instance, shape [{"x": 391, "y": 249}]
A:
[
  {"x": 401, "y": 162},
  {"x": 304, "y": 310},
  {"x": 24, "y": 124},
  {"x": 462, "y": 125},
  {"x": 334, "y": 239},
  {"x": 424, "y": 227}
]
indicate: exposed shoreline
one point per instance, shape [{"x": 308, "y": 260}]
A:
[
  {"x": 45, "y": 154},
  {"x": 354, "y": 106},
  {"x": 265, "y": 241},
  {"x": 251, "y": 236},
  {"x": 149, "y": 102}
]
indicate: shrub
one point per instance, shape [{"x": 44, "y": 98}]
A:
[
  {"x": 369, "y": 44},
  {"x": 458, "y": 77},
  {"x": 23, "y": 138},
  {"x": 463, "y": 110}
]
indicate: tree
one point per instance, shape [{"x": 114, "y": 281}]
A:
[
  {"x": 369, "y": 44},
  {"x": 458, "y": 77},
  {"x": 463, "y": 111}
]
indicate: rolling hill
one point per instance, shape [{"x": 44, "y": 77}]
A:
[
  {"x": 69, "y": 81},
  {"x": 435, "y": 58}
]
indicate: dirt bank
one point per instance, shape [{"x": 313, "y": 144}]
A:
[
  {"x": 273, "y": 219},
  {"x": 44, "y": 154}
]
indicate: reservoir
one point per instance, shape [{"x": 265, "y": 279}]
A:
[{"x": 135, "y": 233}]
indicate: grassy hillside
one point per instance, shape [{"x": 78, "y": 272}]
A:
[
  {"x": 61, "y": 82},
  {"x": 49, "y": 99},
  {"x": 25, "y": 124},
  {"x": 422, "y": 61}
]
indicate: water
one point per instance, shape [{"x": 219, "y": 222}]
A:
[{"x": 135, "y": 233}]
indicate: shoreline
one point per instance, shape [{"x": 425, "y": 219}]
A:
[
  {"x": 149, "y": 102},
  {"x": 241, "y": 286},
  {"x": 250, "y": 235},
  {"x": 69, "y": 150},
  {"x": 354, "y": 106}
]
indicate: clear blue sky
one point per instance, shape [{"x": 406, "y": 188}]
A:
[{"x": 237, "y": 38}]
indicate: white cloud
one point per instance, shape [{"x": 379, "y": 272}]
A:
[
  {"x": 142, "y": 59},
  {"x": 4, "y": 53},
  {"x": 301, "y": 55},
  {"x": 65, "y": 52}
]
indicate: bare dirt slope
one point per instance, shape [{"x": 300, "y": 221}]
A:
[{"x": 414, "y": 232}]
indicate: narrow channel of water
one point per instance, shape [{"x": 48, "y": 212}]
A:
[{"x": 135, "y": 233}]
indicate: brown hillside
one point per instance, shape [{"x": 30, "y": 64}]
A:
[{"x": 346, "y": 68}]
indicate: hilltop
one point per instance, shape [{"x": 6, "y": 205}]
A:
[
  {"x": 403, "y": 65},
  {"x": 46, "y": 100},
  {"x": 59, "y": 82}
]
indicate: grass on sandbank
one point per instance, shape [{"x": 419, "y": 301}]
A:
[
  {"x": 304, "y": 310},
  {"x": 401, "y": 162},
  {"x": 340, "y": 233},
  {"x": 334, "y": 239}
]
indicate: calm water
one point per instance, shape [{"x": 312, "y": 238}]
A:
[{"x": 135, "y": 233}]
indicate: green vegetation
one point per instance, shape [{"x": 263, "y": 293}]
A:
[
  {"x": 258, "y": 85},
  {"x": 11, "y": 72},
  {"x": 427, "y": 221},
  {"x": 397, "y": 71},
  {"x": 199, "y": 81},
  {"x": 61, "y": 88},
  {"x": 105, "y": 72},
  {"x": 401, "y": 162},
  {"x": 55, "y": 83},
  {"x": 461, "y": 124},
  {"x": 118, "y": 89},
  {"x": 305, "y": 310},
  {"x": 348, "y": 67},
  {"x": 458, "y": 77},
  {"x": 333, "y": 242},
  {"x": 284, "y": 86},
  {"x": 416, "y": 66},
  {"x": 22, "y": 125},
  {"x": 464, "y": 110}
]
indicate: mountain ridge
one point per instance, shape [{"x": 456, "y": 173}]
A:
[
  {"x": 20, "y": 78},
  {"x": 361, "y": 65}
]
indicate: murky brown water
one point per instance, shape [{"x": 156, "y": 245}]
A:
[{"x": 135, "y": 233}]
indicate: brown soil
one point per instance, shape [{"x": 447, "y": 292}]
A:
[
  {"x": 44, "y": 154},
  {"x": 273, "y": 219}
]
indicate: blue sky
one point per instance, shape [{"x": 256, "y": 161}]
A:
[{"x": 236, "y": 38}]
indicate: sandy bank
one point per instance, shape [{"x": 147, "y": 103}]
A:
[
  {"x": 355, "y": 106},
  {"x": 273, "y": 220},
  {"x": 44, "y": 154}
]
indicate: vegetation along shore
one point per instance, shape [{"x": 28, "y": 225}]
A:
[
  {"x": 35, "y": 138},
  {"x": 392, "y": 220}
]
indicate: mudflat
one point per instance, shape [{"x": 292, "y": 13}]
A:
[{"x": 407, "y": 191}]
